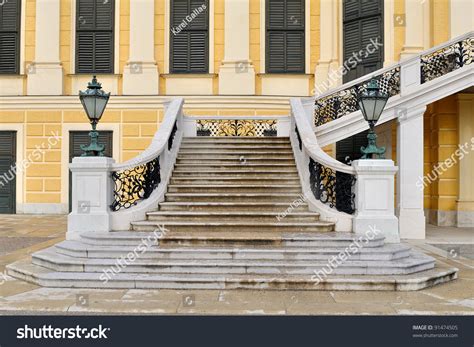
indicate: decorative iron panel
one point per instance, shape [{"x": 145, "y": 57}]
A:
[
  {"x": 447, "y": 59},
  {"x": 298, "y": 137},
  {"x": 135, "y": 184},
  {"x": 344, "y": 102},
  {"x": 172, "y": 135},
  {"x": 332, "y": 188},
  {"x": 236, "y": 127}
]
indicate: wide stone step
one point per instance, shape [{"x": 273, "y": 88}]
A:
[
  {"x": 234, "y": 153},
  {"x": 50, "y": 259},
  {"x": 45, "y": 277},
  {"x": 237, "y": 145},
  {"x": 283, "y": 174},
  {"x": 163, "y": 216},
  {"x": 230, "y": 239},
  {"x": 235, "y": 188},
  {"x": 235, "y": 156},
  {"x": 233, "y": 180},
  {"x": 248, "y": 167},
  {"x": 81, "y": 250},
  {"x": 215, "y": 148},
  {"x": 244, "y": 197},
  {"x": 275, "y": 207},
  {"x": 241, "y": 160},
  {"x": 234, "y": 226}
]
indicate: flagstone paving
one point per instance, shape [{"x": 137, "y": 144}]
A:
[{"x": 22, "y": 235}]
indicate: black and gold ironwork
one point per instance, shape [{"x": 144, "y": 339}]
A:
[
  {"x": 172, "y": 135},
  {"x": 300, "y": 144},
  {"x": 344, "y": 102},
  {"x": 331, "y": 187},
  {"x": 236, "y": 127},
  {"x": 447, "y": 59},
  {"x": 135, "y": 184}
]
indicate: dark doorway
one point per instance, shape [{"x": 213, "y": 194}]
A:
[
  {"x": 78, "y": 138},
  {"x": 362, "y": 22},
  {"x": 7, "y": 172}
]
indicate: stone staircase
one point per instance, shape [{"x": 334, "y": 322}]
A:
[{"x": 219, "y": 229}]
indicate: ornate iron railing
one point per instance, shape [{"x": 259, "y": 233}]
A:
[
  {"x": 331, "y": 187},
  {"x": 172, "y": 135},
  {"x": 447, "y": 59},
  {"x": 344, "y": 102},
  {"x": 236, "y": 127},
  {"x": 135, "y": 184},
  {"x": 300, "y": 145}
]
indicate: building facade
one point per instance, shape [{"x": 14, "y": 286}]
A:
[{"x": 227, "y": 58}]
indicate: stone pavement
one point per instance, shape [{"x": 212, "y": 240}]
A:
[{"x": 22, "y": 235}]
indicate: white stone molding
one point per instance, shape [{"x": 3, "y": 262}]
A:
[
  {"x": 410, "y": 177},
  {"x": 45, "y": 74},
  {"x": 375, "y": 196},
  {"x": 140, "y": 75}
]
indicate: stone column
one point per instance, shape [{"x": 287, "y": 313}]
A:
[
  {"x": 92, "y": 194},
  {"x": 461, "y": 17},
  {"x": 414, "y": 28},
  {"x": 411, "y": 214},
  {"x": 140, "y": 75},
  {"x": 237, "y": 74},
  {"x": 375, "y": 195},
  {"x": 45, "y": 74},
  {"x": 328, "y": 62},
  {"x": 465, "y": 203}
]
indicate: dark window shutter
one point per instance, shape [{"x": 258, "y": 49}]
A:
[
  {"x": 10, "y": 37},
  {"x": 285, "y": 37},
  {"x": 95, "y": 36},
  {"x": 189, "y": 51}
]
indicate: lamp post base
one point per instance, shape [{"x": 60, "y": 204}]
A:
[
  {"x": 371, "y": 150},
  {"x": 94, "y": 149}
]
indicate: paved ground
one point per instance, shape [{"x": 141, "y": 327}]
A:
[{"x": 22, "y": 235}]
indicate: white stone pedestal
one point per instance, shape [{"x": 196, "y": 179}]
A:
[
  {"x": 375, "y": 197},
  {"x": 140, "y": 78},
  {"x": 92, "y": 190},
  {"x": 237, "y": 78}
]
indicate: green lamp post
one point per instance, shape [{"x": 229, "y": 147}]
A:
[
  {"x": 94, "y": 100},
  {"x": 372, "y": 102}
]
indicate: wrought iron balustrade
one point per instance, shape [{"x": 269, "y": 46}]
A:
[
  {"x": 172, "y": 135},
  {"x": 331, "y": 187},
  {"x": 344, "y": 102},
  {"x": 236, "y": 127},
  {"x": 135, "y": 184},
  {"x": 447, "y": 59}
]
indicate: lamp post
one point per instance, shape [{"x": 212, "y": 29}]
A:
[
  {"x": 371, "y": 103},
  {"x": 94, "y": 101}
]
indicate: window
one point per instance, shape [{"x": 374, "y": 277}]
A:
[
  {"x": 189, "y": 36},
  {"x": 10, "y": 37},
  {"x": 95, "y": 36},
  {"x": 285, "y": 39}
]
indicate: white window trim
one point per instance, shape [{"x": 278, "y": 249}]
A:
[
  {"x": 168, "y": 30},
  {"x": 116, "y": 37},
  {"x": 307, "y": 37}
]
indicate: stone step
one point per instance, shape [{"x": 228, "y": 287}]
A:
[
  {"x": 235, "y": 156},
  {"x": 234, "y": 226},
  {"x": 241, "y": 160},
  {"x": 49, "y": 258},
  {"x": 82, "y": 250},
  {"x": 283, "y": 174},
  {"x": 26, "y": 271},
  {"x": 247, "y": 216},
  {"x": 215, "y": 167},
  {"x": 233, "y": 180},
  {"x": 275, "y": 207},
  {"x": 215, "y": 148},
  {"x": 247, "y": 239},
  {"x": 234, "y": 188},
  {"x": 237, "y": 152},
  {"x": 235, "y": 197}
]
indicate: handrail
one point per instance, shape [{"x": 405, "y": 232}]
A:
[
  {"x": 159, "y": 142},
  {"x": 310, "y": 143}
]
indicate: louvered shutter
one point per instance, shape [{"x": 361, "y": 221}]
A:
[
  {"x": 10, "y": 37},
  {"x": 8, "y": 180},
  {"x": 285, "y": 38},
  {"x": 95, "y": 36},
  {"x": 189, "y": 43}
]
